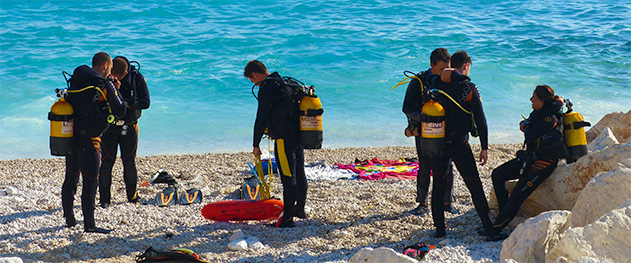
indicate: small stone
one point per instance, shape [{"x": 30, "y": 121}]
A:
[
  {"x": 238, "y": 245},
  {"x": 237, "y": 235}
]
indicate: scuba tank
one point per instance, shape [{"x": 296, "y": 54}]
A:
[
  {"x": 310, "y": 120},
  {"x": 61, "y": 125},
  {"x": 573, "y": 123},
  {"x": 433, "y": 129}
]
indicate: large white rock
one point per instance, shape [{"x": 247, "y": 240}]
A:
[
  {"x": 380, "y": 255},
  {"x": 605, "y": 192},
  {"x": 532, "y": 239},
  {"x": 608, "y": 239},
  {"x": 604, "y": 140},
  {"x": 562, "y": 188},
  {"x": 618, "y": 122}
]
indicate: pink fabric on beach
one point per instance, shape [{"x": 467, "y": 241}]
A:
[{"x": 374, "y": 169}]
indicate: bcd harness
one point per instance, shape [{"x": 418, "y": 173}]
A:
[{"x": 297, "y": 102}]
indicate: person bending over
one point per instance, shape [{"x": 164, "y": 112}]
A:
[{"x": 274, "y": 114}]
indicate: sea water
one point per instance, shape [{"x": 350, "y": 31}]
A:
[{"x": 192, "y": 54}]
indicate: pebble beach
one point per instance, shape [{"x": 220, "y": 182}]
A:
[{"x": 343, "y": 215}]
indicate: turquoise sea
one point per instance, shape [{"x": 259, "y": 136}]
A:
[{"x": 193, "y": 53}]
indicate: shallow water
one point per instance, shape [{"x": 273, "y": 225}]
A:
[{"x": 193, "y": 55}]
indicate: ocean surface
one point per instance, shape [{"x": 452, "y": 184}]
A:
[{"x": 192, "y": 54}]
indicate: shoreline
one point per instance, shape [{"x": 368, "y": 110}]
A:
[{"x": 344, "y": 215}]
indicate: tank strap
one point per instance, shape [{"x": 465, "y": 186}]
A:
[
  {"x": 427, "y": 118},
  {"x": 577, "y": 125},
  {"x": 310, "y": 112}
]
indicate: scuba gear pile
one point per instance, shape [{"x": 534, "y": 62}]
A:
[
  {"x": 576, "y": 141},
  {"x": 417, "y": 251},
  {"x": 297, "y": 101},
  {"x": 169, "y": 195},
  {"x": 176, "y": 255}
]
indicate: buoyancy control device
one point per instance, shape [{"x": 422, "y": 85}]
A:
[
  {"x": 61, "y": 126},
  {"x": 309, "y": 108},
  {"x": 61, "y": 116},
  {"x": 573, "y": 128}
]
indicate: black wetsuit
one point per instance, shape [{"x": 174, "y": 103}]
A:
[
  {"x": 125, "y": 134},
  {"x": 458, "y": 124},
  {"x": 90, "y": 113},
  {"x": 287, "y": 149},
  {"x": 412, "y": 104},
  {"x": 544, "y": 145}
]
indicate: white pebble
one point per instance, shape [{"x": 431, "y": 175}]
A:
[
  {"x": 254, "y": 243},
  {"x": 237, "y": 235},
  {"x": 238, "y": 245}
]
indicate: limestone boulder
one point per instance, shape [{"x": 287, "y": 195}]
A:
[
  {"x": 605, "y": 192},
  {"x": 531, "y": 240},
  {"x": 604, "y": 140},
  {"x": 562, "y": 188},
  {"x": 608, "y": 239},
  {"x": 379, "y": 255},
  {"x": 618, "y": 122}
]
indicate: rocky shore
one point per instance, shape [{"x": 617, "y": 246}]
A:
[{"x": 344, "y": 215}]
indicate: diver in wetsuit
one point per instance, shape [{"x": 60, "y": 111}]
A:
[
  {"x": 544, "y": 146},
  {"x": 415, "y": 97},
  {"x": 458, "y": 124},
  {"x": 275, "y": 114},
  {"x": 91, "y": 112},
  {"x": 124, "y": 132}
]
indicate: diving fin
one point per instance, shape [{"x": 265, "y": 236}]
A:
[
  {"x": 191, "y": 196},
  {"x": 167, "y": 197}
]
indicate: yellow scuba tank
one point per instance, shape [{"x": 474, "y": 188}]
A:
[
  {"x": 433, "y": 129},
  {"x": 573, "y": 123},
  {"x": 311, "y": 121},
  {"x": 61, "y": 127}
]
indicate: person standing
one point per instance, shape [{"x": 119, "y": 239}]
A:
[
  {"x": 544, "y": 146},
  {"x": 278, "y": 117},
  {"x": 124, "y": 132},
  {"x": 460, "y": 98},
  {"x": 94, "y": 98},
  {"x": 416, "y": 96}
]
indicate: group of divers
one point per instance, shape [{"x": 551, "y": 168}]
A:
[{"x": 442, "y": 105}]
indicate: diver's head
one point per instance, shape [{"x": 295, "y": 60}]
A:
[
  {"x": 255, "y": 71},
  {"x": 439, "y": 60},
  {"x": 102, "y": 63},
  {"x": 119, "y": 68},
  {"x": 461, "y": 62},
  {"x": 542, "y": 95}
]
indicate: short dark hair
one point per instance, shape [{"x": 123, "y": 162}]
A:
[
  {"x": 100, "y": 58},
  {"x": 545, "y": 93},
  {"x": 439, "y": 54},
  {"x": 119, "y": 67},
  {"x": 254, "y": 66},
  {"x": 460, "y": 58}
]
